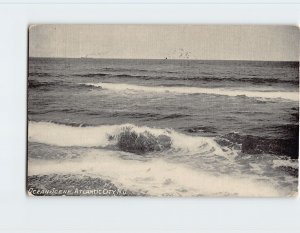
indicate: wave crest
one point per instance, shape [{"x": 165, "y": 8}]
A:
[
  {"x": 140, "y": 143},
  {"x": 126, "y": 137},
  {"x": 262, "y": 94}
]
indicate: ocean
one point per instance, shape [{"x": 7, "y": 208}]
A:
[{"x": 124, "y": 127}]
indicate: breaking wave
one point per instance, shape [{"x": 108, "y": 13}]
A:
[
  {"x": 210, "y": 78},
  {"x": 179, "y": 164},
  {"x": 266, "y": 94},
  {"x": 125, "y": 137}
]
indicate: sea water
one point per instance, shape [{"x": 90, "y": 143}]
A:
[{"x": 164, "y": 127}]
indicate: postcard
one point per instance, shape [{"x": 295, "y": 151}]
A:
[{"x": 163, "y": 110}]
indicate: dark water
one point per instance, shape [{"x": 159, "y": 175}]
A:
[{"x": 167, "y": 127}]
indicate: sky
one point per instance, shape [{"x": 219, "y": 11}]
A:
[{"x": 203, "y": 42}]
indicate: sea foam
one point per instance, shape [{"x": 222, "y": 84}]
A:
[
  {"x": 265, "y": 94},
  {"x": 126, "y": 137},
  {"x": 157, "y": 177}
]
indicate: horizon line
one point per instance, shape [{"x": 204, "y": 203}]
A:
[{"x": 180, "y": 59}]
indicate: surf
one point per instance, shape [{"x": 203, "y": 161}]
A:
[
  {"x": 124, "y": 137},
  {"x": 155, "y": 177},
  {"x": 264, "y": 94}
]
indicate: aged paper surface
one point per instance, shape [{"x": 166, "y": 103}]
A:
[{"x": 163, "y": 110}]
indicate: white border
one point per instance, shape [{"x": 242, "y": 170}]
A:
[{"x": 19, "y": 213}]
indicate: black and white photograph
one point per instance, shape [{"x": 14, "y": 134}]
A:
[{"x": 163, "y": 110}]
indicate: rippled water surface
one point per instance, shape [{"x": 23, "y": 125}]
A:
[{"x": 164, "y": 127}]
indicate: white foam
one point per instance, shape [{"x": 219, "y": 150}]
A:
[
  {"x": 286, "y": 163},
  {"x": 156, "y": 177},
  {"x": 62, "y": 135},
  {"x": 98, "y": 136},
  {"x": 266, "y": 94}
]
